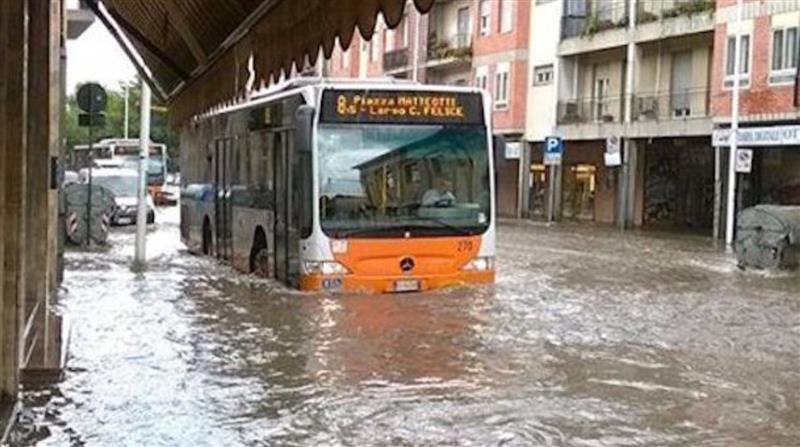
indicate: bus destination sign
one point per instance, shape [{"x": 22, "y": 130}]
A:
[{"x": 403, "y": 107}]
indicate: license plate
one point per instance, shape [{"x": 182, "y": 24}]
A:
[
  {"x": 124, "y": 221},
  {"x": 406, "y": 285}
]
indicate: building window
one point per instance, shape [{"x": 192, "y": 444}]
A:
[
  {"x": 784, "y": 55},
  {"x": 501, "y": 85},
  {"x": 730, "y": 62},
  {"x": 486, "y": 17},
  {"x": 543, "y": 75},
  {"x": 482, "y": 77},
  {"x": 506, "y": 15}
]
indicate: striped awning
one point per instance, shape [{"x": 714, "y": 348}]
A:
[{"x": 198, "y": 51}]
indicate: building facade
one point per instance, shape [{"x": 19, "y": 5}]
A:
[
  {"x": 768, "y": 104},
  {"x": 636, "y": 72}
]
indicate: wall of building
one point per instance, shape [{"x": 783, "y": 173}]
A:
[
  {"x": 498, "y": 47},
  {"x": 542, "y": 51},
  {"x": 760, "y": 100}
]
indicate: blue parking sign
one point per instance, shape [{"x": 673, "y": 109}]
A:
[{"x": 553, "y": 150}]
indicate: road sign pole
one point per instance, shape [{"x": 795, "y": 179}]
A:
[
  {"x": 144, "y": 156},
  {"x": 89, "y": 191}
]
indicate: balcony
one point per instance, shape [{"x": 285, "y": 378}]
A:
[
  {"x": 675, "y": 105},
  {"x": 605, "y": 15},
  {"x": 456, "y": 49},
  {"x": 609, "y": 109},
  {"x": 604, "y": 22},
  {"x": 396, "y": 60},
  {"x": 79, "y": 19}
]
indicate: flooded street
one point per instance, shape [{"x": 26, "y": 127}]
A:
[{"x": 589, "y": 338}]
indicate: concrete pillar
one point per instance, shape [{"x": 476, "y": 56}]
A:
[
  {"x": 13, "y": 152},
  {"x": 632, "y": 151},
  {"x": 42, "y": 198}
]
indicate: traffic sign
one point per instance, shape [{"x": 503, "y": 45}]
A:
[
  {"x": 744, "y": 161},
  {"x": 553, "y": 151},
  {"x": 92, "y": 98}
]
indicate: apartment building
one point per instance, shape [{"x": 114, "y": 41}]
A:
[
  {"x": 768, "y": 106},
  {"x": 634, "y": 71},
  {"x": 500, "y": 65}
]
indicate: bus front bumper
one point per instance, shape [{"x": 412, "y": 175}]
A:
[{"x": 393, "y": 284}]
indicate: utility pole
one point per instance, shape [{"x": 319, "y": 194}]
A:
[
  {"x": 737, "y": 65},
  {"x": 144, "y": 157},
  {"x": 127, "y": 96}
]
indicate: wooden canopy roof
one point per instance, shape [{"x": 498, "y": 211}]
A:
[{"x": 198, "y": 51}]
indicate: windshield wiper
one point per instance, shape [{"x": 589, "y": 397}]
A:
[
  {"x": 445, "y": 224},
  {"x": 369, "y": 231}
]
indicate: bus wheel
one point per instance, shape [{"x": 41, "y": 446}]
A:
[
  {"x": 206, "y": 237},
  {"x": 259, "y": 255}
]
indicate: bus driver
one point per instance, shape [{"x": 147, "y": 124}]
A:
[{"x": 441, "y": 196}]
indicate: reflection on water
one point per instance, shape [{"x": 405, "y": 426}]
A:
[{"x": 587, "y": 339}]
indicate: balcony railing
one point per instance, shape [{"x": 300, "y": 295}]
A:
[
  {"x": 674, "y": 105},
  {"x": 396, "y": 59},
  {"x": 652, "y": 10},
  {"x": 457, "y": 46},
  {"x": 603, "y": 15},
  {"x": 608, "y": 109},
  {"x": 657, "y": 106}
]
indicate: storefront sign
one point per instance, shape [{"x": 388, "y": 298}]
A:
[
  {"x": 513, "y": 151},
  {"x": 744, "y": 161},
  {"x": 553, "y": 151},
  {"x": 760, "y": 136}
]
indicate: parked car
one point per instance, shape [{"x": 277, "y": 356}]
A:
[
  {"x": 124, "y": 184},
  {"x": 172, "y": 190}
]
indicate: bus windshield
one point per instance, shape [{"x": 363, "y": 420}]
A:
[
  {"x": 156, "y": 167},
  {"x": 386, "y": 180}
]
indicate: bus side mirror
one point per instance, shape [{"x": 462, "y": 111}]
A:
[{"x": 304, "y": 119}]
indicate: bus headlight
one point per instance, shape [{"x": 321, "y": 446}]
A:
[
  {"x": 324, "y": 268},
  {"x": 479, "y": 264}
]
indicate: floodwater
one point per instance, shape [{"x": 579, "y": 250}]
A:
[{"x": 589, "y": 338}]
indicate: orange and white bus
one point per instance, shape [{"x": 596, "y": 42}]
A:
[{"x": 338, "y": 185}]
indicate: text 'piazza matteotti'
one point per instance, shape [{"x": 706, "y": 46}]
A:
[{"x": 386, "y": 106}]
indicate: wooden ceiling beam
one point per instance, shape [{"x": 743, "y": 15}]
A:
[
  {"x": 181, "y": 24},
  {"x": 137, "y": 35}
]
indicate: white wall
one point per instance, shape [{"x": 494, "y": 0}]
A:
[{"x": 543, "y": 49}]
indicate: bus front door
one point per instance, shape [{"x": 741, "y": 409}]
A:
[{"x": 222, "y": 206}]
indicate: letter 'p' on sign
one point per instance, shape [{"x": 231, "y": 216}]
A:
[{"x": 553, "y": 150}]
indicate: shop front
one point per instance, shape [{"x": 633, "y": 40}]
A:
[
  {"x": 774, "y": 177},
  {"x": 678, "y": 183}
]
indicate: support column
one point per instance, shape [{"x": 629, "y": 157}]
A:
[
  {"x": 13, "y": 148},
  {"x": 523, "y": 210},
  {"x": 632, "y": 151},
  {"x": 42, "y": 199}
]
